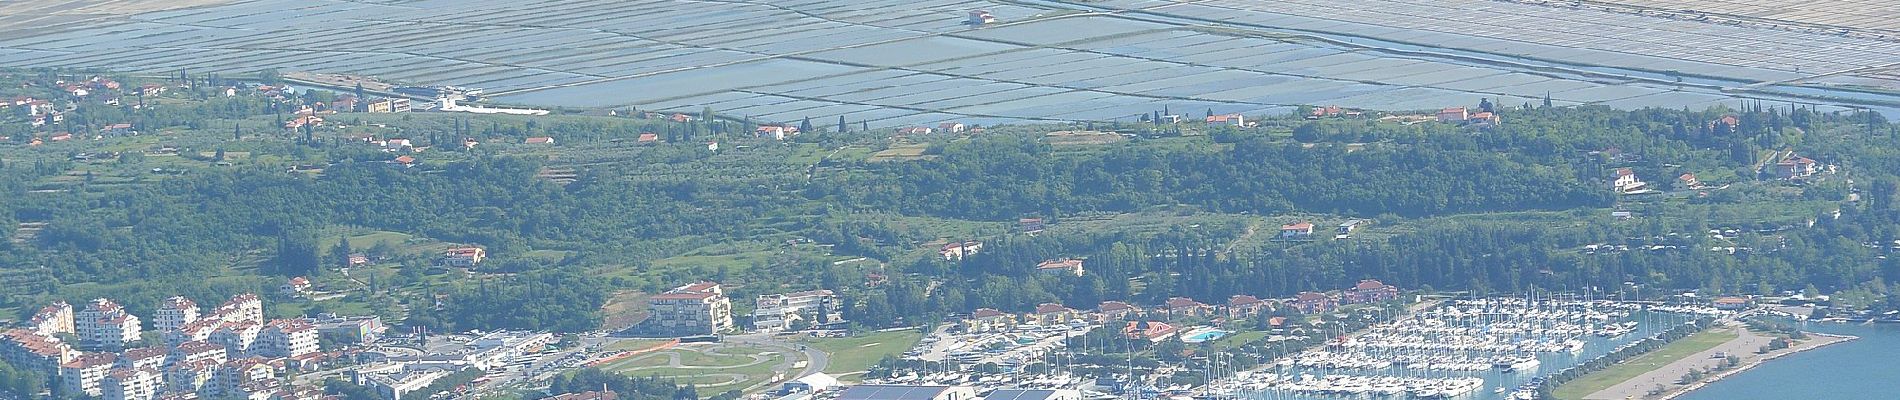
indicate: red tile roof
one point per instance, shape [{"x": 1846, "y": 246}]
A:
[{"x": 1051, "y": 308}]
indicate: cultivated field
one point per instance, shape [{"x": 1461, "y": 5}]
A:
[{"x": 892, "y": 63}]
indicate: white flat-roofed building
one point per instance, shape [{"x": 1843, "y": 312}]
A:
[
  {"x": 105, "y": 325},
  {"x": 907, "y": 392},
  {"x": 778, "y": 311}
]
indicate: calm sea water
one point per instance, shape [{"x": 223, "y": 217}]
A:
[{"x": 1860, "y": 369}]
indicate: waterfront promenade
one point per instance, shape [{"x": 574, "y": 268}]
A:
[{"x": 1743, "y": 346}]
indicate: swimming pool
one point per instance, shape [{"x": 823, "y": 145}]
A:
[{"x": 1204, "y": 334}]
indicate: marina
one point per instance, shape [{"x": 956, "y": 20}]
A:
[{"x": 1491, "y": 349}]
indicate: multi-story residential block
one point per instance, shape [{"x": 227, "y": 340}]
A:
[
  {"x": 199, "y": 330},
  {"x": 54, "y": 318},
  {"x": 236, "y": 373},
  {"x": 174, "y": 313},
  {"x": 131, "y": 384},
  {"x": 695, "y": 309},
  {"x": 105, "y": 325},
  {"x": 778, "y": 311},
  {"x": 195, "y": 351},
  {"x": 1369, "y": 291},
  {"x": 286, "y": 338},
  {"x": 192, "y": 377},
  {"x": 237, "y": 338},
  {"x": 241, "y": 308},
  {"x": 30, "y": 350},
  {"x": 142, "y": 358},
  {"x": 84, "y": 373}
]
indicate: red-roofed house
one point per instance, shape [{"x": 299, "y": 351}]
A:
[
  {"x": 1732, "y": 303},
  {"x": 1796, "y": 167},
  {"x": 1153, "y": 331},
  {"x": 297, "y": 286},
  {"x": 1297, "y": 229},
  {"x": 1688, "y": 181},
  {"x": 1051, "y": 314},
  {"x": 776, "y": 132},
  {"x": 405, "y": 161},
  {"x": 1626, "y": 181},
  {"x": 1226, "y": 119},
  {"x": 914, "y": 130},
  {"x": 1244, "y": 306},
  {"x": 1452, "y": 115},
  {"x": 463, "y": 257},
  {"x": 1369, "y": 291},
  {"x": 951, "y": 127},
  {"x": 539, "y": 140},
  {"x": 1066, "y": 266},
  {"x": 957, "y": 250},
  {"x": 1182, "y": 307},
  {"x": 648, "y": 138},
  {"x": 1115, "y": 310},
  {"x": 988, "y": 320},
  {"x": 1312, "y": 302}
]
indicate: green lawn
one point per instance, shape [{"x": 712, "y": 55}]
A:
[
  {"x": 859, "y": 353},
  {"x": 1237, "y": 339},
  {"x": 722, "y": 360},
  {"x": 1626, "y": 370}
]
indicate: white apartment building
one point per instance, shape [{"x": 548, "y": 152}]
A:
[
  {"x": 778, "y": 311},
  {"x": 174, "y": 313},
  {"x": 104, "y": 325},
  {"x": 131, "y": 384},
  {"x": 286, "y": 338},
  {"x": 695, "y": 309},
  {"x": 85, "y": 372},
  {"x": 237, "y": 338}
]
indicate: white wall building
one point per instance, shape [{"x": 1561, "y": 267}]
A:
[
  {"x": 778, "y": 311},
  {"x": 104, "y": 325},
  {"x": 174, "y": 313}
]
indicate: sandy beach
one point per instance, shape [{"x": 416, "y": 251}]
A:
[{"x": 1743, "y": 346}]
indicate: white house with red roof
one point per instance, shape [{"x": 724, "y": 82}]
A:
[
  {"x": 1153, "y": 331},
  {"x": 1226, "y": 120},
  {"x": 463, "y": 257},
  {"x": 1297, "y": 229},
  {"x": 1065, "y": 266},
  {"x": 957, "y": 250},
  {"x": 296, "y": 286},
  {"x": 1115, "y": 310},
  {"x": 1796, "y": 167},
  {"x": 1626, "y": 181},
  {"x": 1369, "y": 291}
]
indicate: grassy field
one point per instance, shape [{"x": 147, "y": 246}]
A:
[
  {"x": 1237, "y": 339},
  {"x": 712, "y": 367},
  {"x": 899, "y": 153},
  {"x": 861, "y": 352},
  {"x": 1626, "y": 370}
]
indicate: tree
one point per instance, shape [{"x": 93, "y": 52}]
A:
[
  {"x": 236, "y": 132},
  {"x": 841, "y": 126},
  {"x": 219, "y": 155},
  {"x": 340, "y": 254},
  {"x": 805, "y": 126}
]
